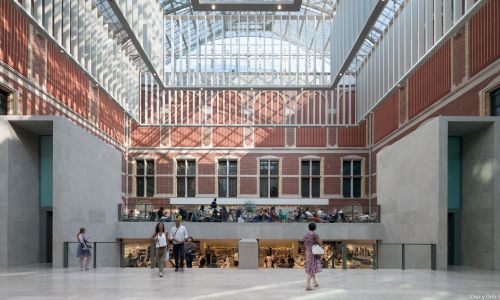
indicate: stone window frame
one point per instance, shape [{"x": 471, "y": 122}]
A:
[
  {"x": 352, "y": 158},
  {"x": 485, "y": 97},
  {"x": 186, "y": 158},
  {"x": 12, "y": 99},
  {"x": 134, "y": 183},
  {"x": 320, "y": 176},
  {"x": 270, "y": 158},
  {"x": 227, "y": 158}
]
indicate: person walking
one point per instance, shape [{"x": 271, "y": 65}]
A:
[
  {"x": 208, "y": 254},
  {"x": 160, "y": 237},
  {"x": 178, "y": 235},
  {"x": 190, "y": 252},
  {"x": 84, "y": 250},
  {"x": 313, "y": 263}
]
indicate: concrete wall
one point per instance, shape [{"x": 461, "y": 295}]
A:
[
  {"x": 411, "y": 189},
  {"x": 480, "y": 197},
  {"x": 19, "y": 196},
  {"x": 262, "y": 231},
  {"x": 496, "y": 195},
  {"x": 87, "y": 189}
]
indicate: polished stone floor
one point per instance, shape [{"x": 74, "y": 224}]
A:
[{"x": 112, "y": 283}]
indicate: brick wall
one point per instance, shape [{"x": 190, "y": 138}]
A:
[
  {"x": 248, "y": 172},
  {"x": 13, "y": 38}
]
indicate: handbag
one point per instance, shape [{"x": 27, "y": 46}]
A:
[
  {"x": 85, "y": 246},
  {"x": 317, "y": 250}
]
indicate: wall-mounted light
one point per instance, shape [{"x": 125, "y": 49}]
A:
[
  {"x": 213, "y": 6},
  {"x": 279, "y": 7}
]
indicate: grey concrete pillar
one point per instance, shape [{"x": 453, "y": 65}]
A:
[{"x": 248, "y": 254}]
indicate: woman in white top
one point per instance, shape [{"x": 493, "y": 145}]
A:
[{"x": 160, "y": 237}]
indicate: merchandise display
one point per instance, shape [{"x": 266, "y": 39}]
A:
[
  {"x": 272, "y": 254},
  {"x": 137, "y": 254}
]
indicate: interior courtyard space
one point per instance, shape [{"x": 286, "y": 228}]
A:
[
  {"x": 113, "y": 283},
  {"x": 238, "y": 149}
]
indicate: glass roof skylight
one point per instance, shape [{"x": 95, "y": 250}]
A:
[{"x": 375, "y": 33}]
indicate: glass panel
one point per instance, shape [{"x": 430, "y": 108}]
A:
[
  {"x": 46, "y": 171},
  {"x": 359, "y": 256},
  {"x": 263, "y": 187},
  {"x": 140, "y": 186},
  {"x": 346, "y": 168},
  {"x": 315, "y": 187},
  {"x": 233, "y": 168},
  {"x": 495, "y": 103},
  {"x": 191, "y": 187},
  {"x": 304, "y": 168},
  {"x": 181, "y": 187},
  {"x": 315, "y": 167},
  {"x": 356, "y": 188},
  {"x": 356, "y": 167},
  {"x": 273, "y": 190},
  {"x": 305, "y": 187},
  {"x": 3, "y": 103},
  {"x": 150, "y": 167},
  {"x": 150, "y": 186},
  {"x": 233, "y": 187},
  {"x": 346, "y": 187},
  {"x": 222, "y": 187},
  {"x": 191, "y": 167},
  {"x": 222, "y": 167},
  {"x": 274, "y": 169},
  {"x": 264, "y": 165},
  {"x": 140, "y": 167},
  {"x": 181, "y": 167}
]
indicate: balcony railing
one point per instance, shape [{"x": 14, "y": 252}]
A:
[{"x": 250, "y": 213}]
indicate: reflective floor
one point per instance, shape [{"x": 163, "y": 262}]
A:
[{"x": 113, "y": 283}]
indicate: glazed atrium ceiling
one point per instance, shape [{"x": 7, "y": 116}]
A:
[{"x": 147, "y": 54}]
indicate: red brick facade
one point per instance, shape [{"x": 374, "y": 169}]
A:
[{"x": 51, "y": 84}]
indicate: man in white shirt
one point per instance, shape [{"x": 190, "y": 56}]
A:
[{"x": 178, "y": 235}]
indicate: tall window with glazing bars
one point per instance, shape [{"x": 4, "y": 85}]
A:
[
  {"x": 351, "y": 178},
  {"x": 269, "y": 178},
  {"x": 145, "y": 177},
  {"x": 186, "y": 178},
  {"x": 310, "y": 178},
  {"x": 227, "y": 179}
]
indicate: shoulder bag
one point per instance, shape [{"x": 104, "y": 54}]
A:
[{"x": 317, "y": 250}]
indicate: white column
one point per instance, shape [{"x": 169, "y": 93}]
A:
[
  {"x": 101, "y": 51},
  {"x": 27, "y": 6},
  {"x": 438, "y": 19},
  {"x": 93, "y": 42},
  {"x": 74, "y": 24},
  {"x": 66, "y": 25},
  {"x": 88, "y": 35},
  {"x": 429, "y": 22},
  {"x": 58, "y": 21},
  {"x": 38, "y": 10},
  {"x": 457, "y": 10},
  {"x": 447, "y": 15},
  {"x": 48, "y": 17},
  {"x": 81, "y": 33}
]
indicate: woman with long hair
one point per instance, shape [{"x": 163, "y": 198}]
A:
[
  {"x": 84, "y": 250},
  {"x": 160, "y": 237},
  {"x": 313, "y": 263}
]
